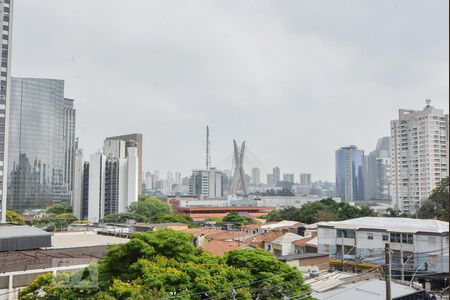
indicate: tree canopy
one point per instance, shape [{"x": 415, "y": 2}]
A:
[
  {"x": 162, "y": 264},
  {"x": 14, "y": 217},
  {"x": 324, "y": 210},
  {"x": 59, "y": 208},
  {"x": 437, "y": 204},
  {"x": 172, "y": 218},
  {"x": 149, "y": 208},
  {"x": 237, "y": 219}
]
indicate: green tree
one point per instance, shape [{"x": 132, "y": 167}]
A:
[
  {"x": 437, "y": 204},
  {"x": 324, "y": 210},
  {"x": 172, "y": 218},
  {"x": 14, "y": 217},
  {"x": 150, "y": 208},
  {"x": 271, "y": 278},
  {"x": 237, "y": 219},
  {"x": 156, "y": 265},
  {"x": 122, "y": 218},
  {"x": 59, "y": 208}
]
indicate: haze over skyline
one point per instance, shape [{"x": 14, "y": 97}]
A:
[{"x": 296, "y": 80}]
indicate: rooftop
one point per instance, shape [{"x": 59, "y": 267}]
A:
[
  {"x": 8, "y": 231},
  {"x": 62, "y": 240},
  {"x": 391, "y": 224},
  {"x": 219, "y": 248},
  {"x": 287, "y": 238},
  {"x": 273, "y": 226},
  {"x": 373, "y": 289}
]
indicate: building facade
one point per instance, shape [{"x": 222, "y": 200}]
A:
[
  {"x": 41, "y": 143},
  {"x": 206, "y": 183},
  {"x": 419, "y": 155},
  {"x": 6, "y": 13},
  {"x": 276, "y": 175},
  {"x": 350, "y": 174},
  {"x": 133, "y": 140},
  {"x": 304, "y": 187},
  {"x": 289, "y": 177},
  {"x": 106, "y": 184},
  {"x": 378, "y": 180},
  {"x": 419, "y": 244},
  {"x": 256, "y": 176}
]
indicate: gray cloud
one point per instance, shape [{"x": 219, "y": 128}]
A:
[{"x": 296, "y": 79}]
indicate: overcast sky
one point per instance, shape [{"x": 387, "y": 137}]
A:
[{"x": 295, "y": 79}]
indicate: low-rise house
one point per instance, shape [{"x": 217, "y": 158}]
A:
[
  {"x": 306, "y": 245},
  {"x": 307, "y": 262},
  {"x": 415, "y": 244},
  {"x": 287, "y": 226}
]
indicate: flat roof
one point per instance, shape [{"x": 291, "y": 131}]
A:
[
  {"x": 373, "y": 289},
  {"x": 8, "y": 231},
  {"x": 62, "y": 240},
  {"x": 391, "y": 224}
]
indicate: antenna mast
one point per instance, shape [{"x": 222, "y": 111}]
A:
[{"x": 208, "y": 152}]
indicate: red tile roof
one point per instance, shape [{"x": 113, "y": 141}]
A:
[
  {"x": 219, "y": 248},
  {"x": 303, "y": 242}
]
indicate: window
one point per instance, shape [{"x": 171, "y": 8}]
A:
[
  {"x": 395, "y": 237},
  {"x": 385, "y": 237},
  {"x": 369, "y": 252},
  {"x": 345, "y": 233},
  {"x": 370, "y": 236},
  {"x": 407, "y": 238},
  {"x": 269, "y": 247}
]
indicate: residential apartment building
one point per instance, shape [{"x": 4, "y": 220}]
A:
[
  {"x": 41, "y": 143},
  {"x": 288, "y": 177},
  {"x": 276, "y": 175},
  {"x": 6, "y": 12},
  {"x": 304, "y": 186},
  {"x": 350, "y": 174},
  {"x": 419, "y": 155},
  {"x": 206, "y": 183},
  {"x": 415, "y": 243}
]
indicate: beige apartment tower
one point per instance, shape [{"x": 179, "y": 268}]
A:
[{"x": 419, "y": 155}]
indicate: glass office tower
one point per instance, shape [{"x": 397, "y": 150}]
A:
[
  {"x": 350, "y": 174},
  {"x": 41, "y": 143}
]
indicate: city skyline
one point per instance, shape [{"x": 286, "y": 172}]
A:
[{"x": 367, "y": 73}]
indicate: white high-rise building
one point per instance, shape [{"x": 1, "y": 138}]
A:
[
  {"x": 108, "y": 183},
  {"x": 6, "y": 10},
  {"x": 206, "y": 183},
  {"x": 419, "y": 155}
]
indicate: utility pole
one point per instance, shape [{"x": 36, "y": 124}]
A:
[
  {"x": 387, "y": 270},
  {"x": 342, "y": 250}
]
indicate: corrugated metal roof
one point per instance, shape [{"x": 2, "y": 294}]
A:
[
  {"x": 19, "y": 237},
  {"x": 17, "y": 231},
  {"x": 392, "y": 224}
]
